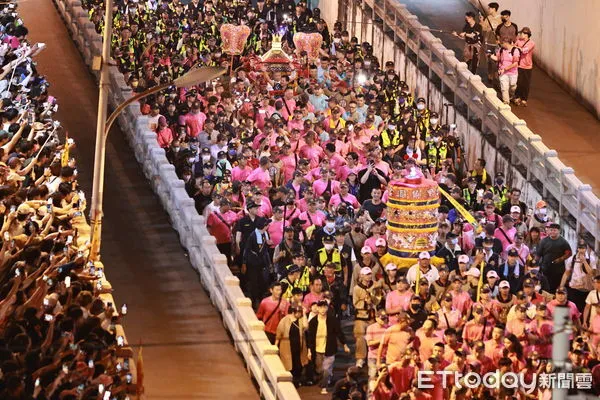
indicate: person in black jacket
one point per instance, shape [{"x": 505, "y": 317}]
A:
[
  {"x": 256, "y": 262},
  {"x": 324, "y": 331}
]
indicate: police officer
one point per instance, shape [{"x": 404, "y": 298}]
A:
[
  {"x": 433, "y": 126},
  {"x": 423, "y": 114},
  {"x": 407, "y": 125},
  {"x": 470, "y": 192},
  {"x": 299, "y": 262},
  {"x": 499, "y": 190},
  {"x": 327, "y": 254},
  {"x": 391, "y": 138},
  {"x": 437, "y": 151},
  {"x": 290, "y": 282}
]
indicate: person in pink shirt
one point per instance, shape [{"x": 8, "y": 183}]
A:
[
  {"x": 315, "y": 294},
  {"x": 296, "y": 122},
  {"x": 495, "y": 345},
  {"x": 461, "y": 300},
  {"x": 373, "y": 337},
  {"x": 518, "y": 325},
  {"x": 398, "y": 300},
  {"x": 315, "y": 173},
  {"x": 326, "y": 186},
  {"x": 241, "y": 171},
  {"x": 164, "y": 135},
  {"x": 506, "y": 233},
  {"x": 526, "y": 45},
  {"x": 289, "y": 162},
  {"x": 264, "y": 204},
  {"x": 344, "y": 196},
  {"x": 560, "y": 299},
  {"x": 311, "y": 151},
  {"x": 474, "y": 328},
  {"x": 296, "y": 142},
  {"x": 308, "y": 194},
  {"x": 275, "y": 228},
  {"x": 312, "y": 216},
  {"x": 193, "y": 121},
  {"x": 260, "y": 177},
  {"x": 289, "y": 104},
  {"x": 507, "y": 57},
  {"x": 541, "y": 328},
  {"x": 336, "y": 161},
  {"x": 352, "y": 165},
  {"x": 271, "y": 310},
  {"x": 342, "y": 146}
]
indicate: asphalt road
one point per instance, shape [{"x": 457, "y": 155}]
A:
[{"x": 187, "y": 352}]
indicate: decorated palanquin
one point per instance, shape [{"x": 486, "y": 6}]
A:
[
  {"x": 308, "y": 42},
  {"x": 234, "y": 38},
  {"x": 412, "y": 211}
]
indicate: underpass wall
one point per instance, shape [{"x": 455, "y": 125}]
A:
[{"x": 566, "y": 37}]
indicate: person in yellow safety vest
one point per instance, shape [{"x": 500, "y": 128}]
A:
[
  {"x": 423, "y": 114},
  {"x": 434, "y": 126},
  {"x": 391, "y": 138},
  {"x": 303, "y": 281},
  {"x": 470, "y": 193},
  {"x": 291, "y": 281},
  {"x": 437, "y": 151},
  {"x": 327, "y": 254},
  {"x": 499, "y": 190}
]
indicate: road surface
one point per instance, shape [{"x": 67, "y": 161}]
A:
[{"x": 187, "y": 352}]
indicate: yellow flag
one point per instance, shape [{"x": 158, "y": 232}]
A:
[
  {"x": 64, "y": 160},
  {"x": 467, "y": 215}
]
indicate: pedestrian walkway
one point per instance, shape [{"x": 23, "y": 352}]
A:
[
  {"x": 564, "y": 124},
  {"x": 187, "y": 352}
]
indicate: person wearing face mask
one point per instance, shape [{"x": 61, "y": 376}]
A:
[
  {"x": 416, "y": 313},
  {"x": 432, "y": 127},
  {"x": 506, "y": 31},
  {"x": 499, "y": 190},
  {"x": 327, "y": 254},
  {"x": 540, "y": 217},
  {"x": 451, "y": 251}
]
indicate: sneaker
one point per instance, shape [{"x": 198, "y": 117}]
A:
[
  {"x": 324, "y": 391},
  {"x": 360, "y": 363},
  {"x": 517, "y": 101},
  {"x": 523, "y": 103}
]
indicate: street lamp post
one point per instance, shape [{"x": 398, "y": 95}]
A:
[{"x": 193, "y": 77}]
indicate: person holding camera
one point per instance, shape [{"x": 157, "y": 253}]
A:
[{"x": 507, "y": 56}]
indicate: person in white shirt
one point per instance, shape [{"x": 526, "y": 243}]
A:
[
  {"x": 592, "y": 302},
  {"x": 578, "y": 278},
  {"x": 426, "y": 270}
]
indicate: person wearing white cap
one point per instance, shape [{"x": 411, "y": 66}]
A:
[
  {"x": 473, "y": 275},
  {"x": 388, "y": 281},
  {"x": 365, "y": 303},
  {"x": 492, "y": 279},
  {"x": 426, "y": 270},
  {"x": 367, "y": 260},
  {"x": 520, "y": 225},
  {"x": 505, "y": 300}
]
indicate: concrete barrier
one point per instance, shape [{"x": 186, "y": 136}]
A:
[{"x": 262, "y": 359}]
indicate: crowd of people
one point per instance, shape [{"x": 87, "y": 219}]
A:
[
  {"x": 507, "y": 51},
  {"x": 57, "y": 336},
  {"x": 291, "y": 171}
]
